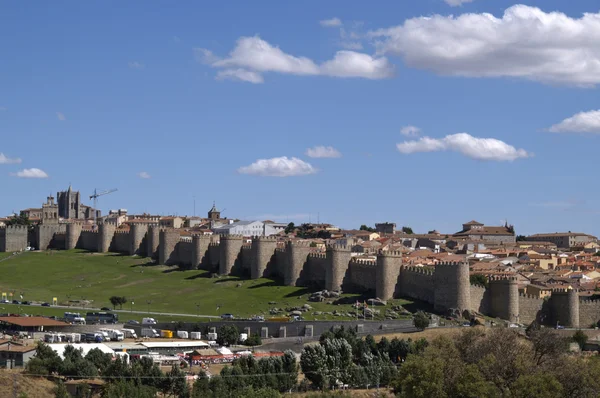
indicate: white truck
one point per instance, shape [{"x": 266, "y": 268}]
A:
[
  {"x": 115, "y": 335},
  {"x": 182, "y": 334},
  {"x": 149, "y": 321},
  {"x": 104, "y": 334},
  {"x": 149, "y": 332},
  {"x": 129, "y": 333}
]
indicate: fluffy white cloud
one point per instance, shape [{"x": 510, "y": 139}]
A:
[
  {"x": 278, "y": 167},
  {"x": 410, "y": 131},
  {"x": 331, "y": 23},
  {"x": 252, "y": 54},
  {"x": 240, "y": 74},
  {"x": 323, "y": 152},
  {"x": 526, "y": 43},
  {"x": 456, "y": 3},
  {"x": 353, "y": 64},
  {"x": 61, "y": 116},
  {"x": 472, "y": 147},
  {"x": 144, "y": 175},
  {"x": 136, "y": 65},
  {"x": 6, "y": 160},
  {"x": 31, "y": 173},
  {"x": 583, "y": 122}
]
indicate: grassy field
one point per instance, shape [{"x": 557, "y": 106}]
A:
[{"x": 78, "y": 275}]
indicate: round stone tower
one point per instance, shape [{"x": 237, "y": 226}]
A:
[
  {"x": 106, "y": 233},
  {"x": 168, "y": 240},
  {"x": 199, "y": 250},
  {"x": 297, "y": 253},
  {"x": 389, "y": 264},
  {"x": 573, "y": 313},
  {"x": 72, "y": 237},
  {"x": 338, "y": 260},
  {"x": 452, "y": 289},
  {"x": 230, "y": 248},
  {"x": 137, "y": 233},
  {"x": 263, "y": 250},
  {"x": 504, "y": 298},
  {"x": 152, "y": 241}
]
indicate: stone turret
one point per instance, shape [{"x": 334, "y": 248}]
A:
[
  {"x": 137, "y": 233},
  {"x": 452, "y": 288},
  {"x": 297, "y": 253},
  {"x": 229, "y": 251},
  {"x": 389, "y": 264},
  {"x": 168, "y": 239},
  {"x": 565, "y": 307},
  {"x": 338, "y": 259},
  {"x": 13, "y": 238},
  {"x": 72, "y": 236},
  {"x": 152, "y": 241},
  {"x": 106, "y": 233},
  {"x": 263, "y": 250},
  {"x": 199, "y": 250},
  {"x": 504, "y": 298}
]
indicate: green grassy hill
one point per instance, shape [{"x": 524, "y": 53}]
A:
[{"x": 78, "y": 275}]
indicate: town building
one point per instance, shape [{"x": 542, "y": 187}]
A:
[
  {"x": 171, "y": 222},
  {"x": 474, "y": 230},
  {"x": 386, "y": 228},
  {"x": 246, "y": 228},
  {"x": 15, "y": 355},
  {"x": 564, "y": 240}
]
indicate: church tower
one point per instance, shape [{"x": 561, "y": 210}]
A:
[{"x": 213, "y": 213}]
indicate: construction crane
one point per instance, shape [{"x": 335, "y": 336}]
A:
[{"x": 95, "y": 197}]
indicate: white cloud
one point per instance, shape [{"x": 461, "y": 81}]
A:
[
  {"x": 323, "y": 152},
  {"x": 410, "y": 131},
  {"x": 525, "y": 42},
  {"x": 353, "y": 64},
  {"x": 252, "y": 54},
  {"x": 240, "y": 74},
  {"x": 467, "y": 145},
  {"x": 6, "y": 160},
  {"x": 136, "y": 65},
  {"x": 583, "y": 122},
  {"x": 456, "y": 3},
  {"x": 331, "y": 23},
  {"x": 144, "y": 175},
  {"x": 30, "y": 173},
  {"x": 278, "y": 167},
  {"x": 351, "y": 45},
  {"x": 61, "y": 116}
]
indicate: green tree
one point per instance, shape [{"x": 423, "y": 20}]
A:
[
  {"x": 538, "y": 385},
  {"x": 290, "y": 228},
  {"x": 313, "y": 362},
  {"x": 21, "y": 219},
  {"x": 115, "y": 300},
  {"x": 580, "y": 338},
  {"x": 421, "y": 377},
  {"x": 366, "y": 228},
  {"x": 253, "y": 340},
  {"x": 547, "y": 345},
  {"x": 420, "y": 320},
  {"x": 407, "y": 230},
  {"x": 479, "y": 279},
  {"x": 174, "y": 384},
  {"x": 60, "y": 391},
  {"x": 100, "y": 359},
  {"x": 228, "y": 335},
  {"x": 521, "y": 238},
  {"x": 121, "y": 389}
]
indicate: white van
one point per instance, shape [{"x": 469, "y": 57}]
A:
[{"x": 149, "y": 321}]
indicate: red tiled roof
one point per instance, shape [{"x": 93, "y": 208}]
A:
[{"x": 31, "y": 321}]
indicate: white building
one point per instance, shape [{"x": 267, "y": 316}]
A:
[{"x": 246, "y": 228}]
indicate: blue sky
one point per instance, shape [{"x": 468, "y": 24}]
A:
[{"x": 503, "y": 108}]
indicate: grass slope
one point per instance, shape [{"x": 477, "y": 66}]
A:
[{"x": 76, "y": 275}]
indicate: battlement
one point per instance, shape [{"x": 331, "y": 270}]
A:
[
  {"x": 232, "y": 237},
  {"x": 530, "y": 297},
  {"x": 214, "y": 244},
  {"x": 14, "y": 228},
  {"x": 317, "y": 255},
  {"x": 265, "y": 238},
  {"x": 185, "y": 239},
  {"x": 121, "y": 231},
  {"x": 560, "y": 290},
  {"x": 280, "y": 250},
  {"x": 449, "y": 264},
  {"x": 418, "y": 270},
  {"x": 338, "y": 248},
  {"x": 201, "y": 237},
  {"x": 246, "y": 246},
  {"x": 389, "y": 253},
  {"x": 364, "y": 262},
  {"x": 590, "y": 302},
  {"x": 298, "y": 243},
  {"x": 503, "y": 279}
]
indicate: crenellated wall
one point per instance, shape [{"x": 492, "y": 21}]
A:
[
  {"x": 564, "y": 305},
  {"x": 153, "y": 241},
  {"x": 200, "y": 252},
  {"x": 45, "y": 236},
  {"x": 389, "y": 264},
  {"x": 214, "y": 255},
  {"x": 88, "y": 240},
  {"x": 452, "y": 287},
  {"x": 185, "y": 251},
  {"x": 73, "y": 236},
  {"x": 338, "y": 258},
  {"x": 504, "y": 298},
  {"x": 589, "y": 313},
  {"x": 106, "y": 233},
  {"x": 362, "y": 275},
  {"x": 137, "y": 239},
  {"x": 167, "y": 246},
  {"x": 480, "y": 299},
  {"x": 229, "y": 253},
  {"x": 120, "y": 242},
  {"x": 13, "y": 238},
  {"x": 263, "y": 256},
  {"x": 297, "y": 258},
  {"x": 417, "y": 282},
  {"x": 245, "y": 258},
  {"x": 530, "y": 309},
  {"x": 315, "y": 270}
]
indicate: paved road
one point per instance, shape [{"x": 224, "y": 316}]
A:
[{"x": 69, "y": 308}]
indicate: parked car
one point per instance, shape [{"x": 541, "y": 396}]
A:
[
  {"x": 45, "y": 304},
  {"x": 5, "y": 301},
  {"x": 105, "y": 309},
  {"x": 26, "y": 303},
  {"x": 16, "y": 302},
  {"x": 227, "y": 316},
  {"x": 133, "y": 322}
]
